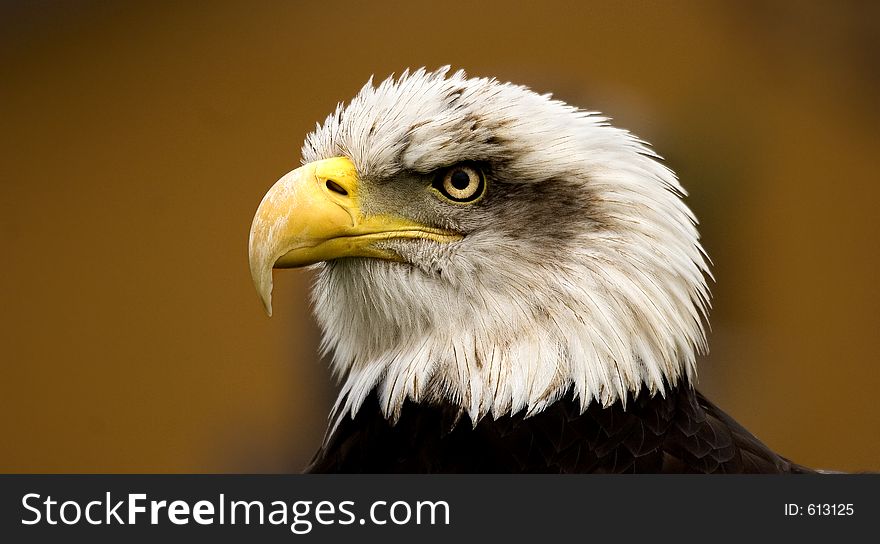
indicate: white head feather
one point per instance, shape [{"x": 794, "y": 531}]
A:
[{"x": 593, "y": 282}]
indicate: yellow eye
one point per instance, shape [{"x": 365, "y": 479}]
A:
[{"x": 461, "y": 184}]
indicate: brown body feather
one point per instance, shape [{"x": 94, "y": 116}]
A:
[{"x": 680, "y": 433}]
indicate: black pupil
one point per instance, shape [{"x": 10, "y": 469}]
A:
[{"x": 460, "y": 179}]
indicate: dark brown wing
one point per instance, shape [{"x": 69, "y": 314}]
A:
[{"x": 680, "y": 433}]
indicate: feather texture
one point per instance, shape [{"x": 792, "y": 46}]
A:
[{"x": 681, "y": 433}]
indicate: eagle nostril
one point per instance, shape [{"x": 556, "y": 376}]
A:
[{"x": 336, "y": 188}]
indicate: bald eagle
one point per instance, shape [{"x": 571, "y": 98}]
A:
[{"x": 506, "y": 283}]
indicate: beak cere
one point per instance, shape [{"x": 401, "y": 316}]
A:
[{"x": 313, "y": 214}]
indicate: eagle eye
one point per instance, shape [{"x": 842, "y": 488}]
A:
[{"x": 461, "y": 183}]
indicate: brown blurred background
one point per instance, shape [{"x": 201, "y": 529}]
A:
[{"x": 138, "y": 139}]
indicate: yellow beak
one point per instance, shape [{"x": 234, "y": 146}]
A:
[{"x": 313, "y": 214}]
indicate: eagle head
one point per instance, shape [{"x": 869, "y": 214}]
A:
[{"x": 482, "y": 245}]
